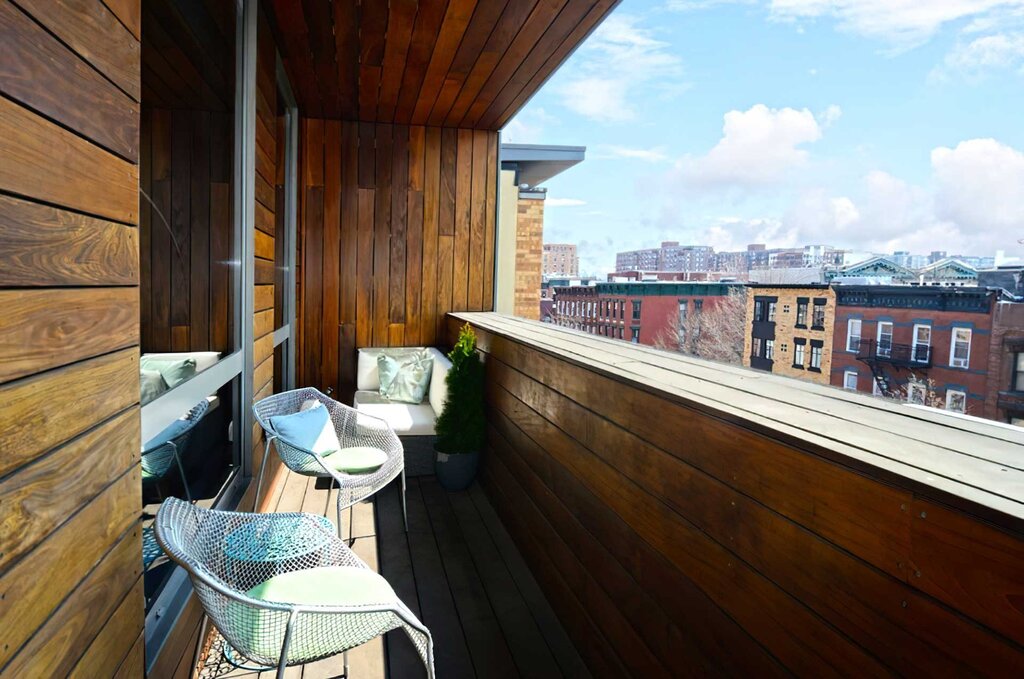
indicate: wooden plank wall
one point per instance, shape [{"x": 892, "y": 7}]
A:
[
  {"x": 71, "y": 599},
  {"x": 185, "y": 294},
  {"x": 673, "y": 542},
  {"x": 397, "y": 229}
]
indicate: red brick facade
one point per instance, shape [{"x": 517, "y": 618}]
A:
[
  {"x": 625, "y": 310},
  {"x": 1003, "y": 400},
  {"x": 941, "y": 311}
]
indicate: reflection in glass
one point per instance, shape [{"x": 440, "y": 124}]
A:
[{"x": 187, "y": 240}]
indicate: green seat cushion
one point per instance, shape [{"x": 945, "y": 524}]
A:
[
  {"x": 174, "y": 372},
  {"x": 326, "y": 586},
  {"x": 405, "y": 375},
  {"x": 356, "y": 460}
]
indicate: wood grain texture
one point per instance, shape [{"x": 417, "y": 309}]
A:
[
  {"x": 94, "y": 32},
  {"x": 78, "y": 546},
  {"x": 44, "y": 246},
  {"x": 47, "y": 328},
  {"x": 46, "y": 162},
  {"x": 776, "y": 545},
  {"x": 394, "y": 240},
  {"x": 431, "y": 62},
  {"x": 69, "y": 381},
  {"x": 40, "y": 72}
]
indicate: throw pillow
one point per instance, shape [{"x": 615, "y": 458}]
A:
[
  {"x": 309, "y": 429},
  {"x": 174, "y": 372},
  {"x": 405, "y": 376},
  {"x": 152, "y": 384}
]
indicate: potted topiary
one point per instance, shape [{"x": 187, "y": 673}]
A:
[{"x": 460, "y": 426}]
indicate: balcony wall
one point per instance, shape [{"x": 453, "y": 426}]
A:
[
  {"x": 396, "y": 229},
  {"x": 683, "y": 516},
  {"x": 70, "y": 588}
]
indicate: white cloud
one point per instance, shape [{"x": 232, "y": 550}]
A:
[
  {"x": 759, "y": 147},
  {"x": 527, "y": 127},
  {"x": 978, "y": 186},
  {"x": 976, "y": 58},
  {"x": 618, "y": 62},
  {"x": 902, "y": 23},
  {"x": 611, "y": 151},
  {"x": 564, "y": 202}
]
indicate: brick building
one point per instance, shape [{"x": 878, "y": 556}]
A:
[
  {"x": 1004, "y": 392},
  {"x": 789, "y": 330},
  {"x": 637, "y": 312},
  {"x": 560, "y": 259},
  {"x": 529, "y": 253},
  {"x": 926, "y": 344}
]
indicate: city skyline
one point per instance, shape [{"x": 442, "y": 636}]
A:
[{"x": 876, "y": 130}]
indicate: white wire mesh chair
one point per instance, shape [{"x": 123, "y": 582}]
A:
[
  {"x": 354, "y": 429},
  {"x": 226, "y": 554},
  {"x": 158, "y": 460}
]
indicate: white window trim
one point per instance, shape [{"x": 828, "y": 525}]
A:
[
  {"x": 949, "y": 395},
  {"x": 911, "y": 388},
  {"x": 878, "y": 337},
  {"x": 849, "y": 333},
  {"x": 913, "y": 355},
  {"x": 847, "y": 374},
  {"x": 952, "y": 347}
]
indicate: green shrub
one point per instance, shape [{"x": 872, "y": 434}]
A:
[{"x": 461, "y": 424}]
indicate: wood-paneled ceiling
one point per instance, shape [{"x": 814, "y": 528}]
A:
[{"x": 455, "y": 63}]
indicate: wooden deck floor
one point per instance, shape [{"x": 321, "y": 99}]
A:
[{"x": 458, "y": 570}]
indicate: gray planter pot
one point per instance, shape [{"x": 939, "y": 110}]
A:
[{"x": 456, "y": 472}]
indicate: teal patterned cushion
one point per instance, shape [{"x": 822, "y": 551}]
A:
[
  {"x": 174, "y": 372},
  {"x": 405, "y": 375}
]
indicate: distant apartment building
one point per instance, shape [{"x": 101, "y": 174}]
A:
[
  {"x": 924, "y": 344},
  {"x": 560, "y": 259},
  {"x": 642, "y": 313},
  {"x": 671, "y": 256},
  {"x": 1004, "y": 390},
  {"x": 789, "y": 330}
]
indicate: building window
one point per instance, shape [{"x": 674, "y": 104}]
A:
[
  {"x": 956, "y": 400},
  {"x": 635, "y": 339},
  {"x": 922, "y": 343},
  {"x": 850, "y": 380},
  {"x": 771, "y": 312},
  {"x": 917, "y": 393},
  {"x": 798, "y": 352},
  {"x": 960, "y": 348},
  {"x": 620, "y": 332},
  {"x": 636, "y": 309},
  {"x": 756, "y": 347},
  {"x": 1018, "y": 372},
  {"x": 853, "y": 335},
  {"x": 758, "y": 310},
  {"x": 816, "y": 349},
  {"x": 818, "y": 319},
  {"x": 698, "y": 304},
  {"x": 876, "y": 390},
  {"x": 801, "y": 312},
  {"x": 884, "y": 338},
  {"x": 769, "y": 349}
]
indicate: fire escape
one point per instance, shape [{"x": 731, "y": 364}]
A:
[{"x": 879, "y": 355}]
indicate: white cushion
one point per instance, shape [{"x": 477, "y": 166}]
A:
[
  {"x": 367, "y": 378},
  {"x": 406, "y": 419},
  {"x": 204, "y": 359},
  {"x": 438, "y": 393}
]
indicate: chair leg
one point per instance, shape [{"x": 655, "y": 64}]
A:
[
  {"x": 199, "y": 646},
  {"x": 283, "y": 664},
  {"x": 351, "y": 525},
  {"x": 263, "y": 465},
  {"x": 337, "y": 506},
  {"x": 405, "y": 514},
  {"x": 344, "y": 657},
  {"x": 184, "y": 481}
]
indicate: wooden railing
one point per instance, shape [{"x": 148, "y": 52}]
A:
[{"x": 689, "y": 517}]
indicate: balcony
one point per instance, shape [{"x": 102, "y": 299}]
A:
[{"x": 902, "y": 355}]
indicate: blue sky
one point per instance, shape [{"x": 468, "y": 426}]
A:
[{"x": 868, "y": 124}]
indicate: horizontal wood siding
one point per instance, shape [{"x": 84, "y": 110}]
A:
[
  {"x": 71, "y": 600},
  {"x": 671, "y": 536},
  {"x": 397, "y": 225}
]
